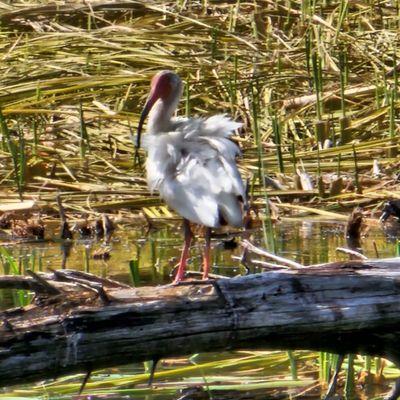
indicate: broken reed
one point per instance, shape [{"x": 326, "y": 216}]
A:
[
  {"x": 84, "y": 137},
  {"x": 267, "y": 228},
  {"x": 350, "y": 384},
  {"x": 392, "y": 121},
  {"x": 15, "y": 152},
  {"x": 317, "y": 80},
  {"x": 278, "y": 143},
  {"x": 343, "y": 120}
]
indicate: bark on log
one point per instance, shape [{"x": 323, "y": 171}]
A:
[{"x": 80, "y": 322}]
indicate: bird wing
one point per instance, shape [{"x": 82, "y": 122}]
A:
[{"x": 194, "y": 168}]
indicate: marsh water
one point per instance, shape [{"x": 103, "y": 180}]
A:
[{"x": 142, "y": 257}]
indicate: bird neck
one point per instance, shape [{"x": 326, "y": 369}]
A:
[{"x": 160, "y": 116}]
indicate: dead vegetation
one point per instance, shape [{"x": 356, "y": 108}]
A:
[{"x": 315, "y": 84}]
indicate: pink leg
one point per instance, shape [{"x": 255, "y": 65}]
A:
[
  {"x": 206, "y": 258},
  {"x": 185, "y": 252}
]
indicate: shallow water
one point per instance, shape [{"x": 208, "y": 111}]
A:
[
  {"x": 139, "y": 257},
  {"x": 157, "y": 251}
]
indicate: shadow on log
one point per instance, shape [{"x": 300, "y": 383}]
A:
[{"x": 78, "y": 321}]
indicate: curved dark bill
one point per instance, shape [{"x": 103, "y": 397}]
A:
[{"x": 153, "y": 97}]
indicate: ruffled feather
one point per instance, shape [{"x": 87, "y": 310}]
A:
[{"x": 194, "y": 168}]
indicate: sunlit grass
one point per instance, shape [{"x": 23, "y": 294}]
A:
[
  {"x": 74, "y": 80},
  {"x": 74, "y": 77},
  {"x": 229, "y": 372}
]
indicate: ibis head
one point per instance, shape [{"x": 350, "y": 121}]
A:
[{"x": 163, "y": 99}]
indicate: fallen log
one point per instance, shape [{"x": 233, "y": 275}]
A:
[{"x": 78, "y": 322}]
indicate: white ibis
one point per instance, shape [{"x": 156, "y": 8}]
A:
[{"x": 192, "y": 163}]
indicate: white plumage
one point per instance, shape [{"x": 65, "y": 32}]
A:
[
  {"x": 193, "y": 166},
  {"x": 191, "y": 161}
]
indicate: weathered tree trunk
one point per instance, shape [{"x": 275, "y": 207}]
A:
[{"x": 79, "y": 321}]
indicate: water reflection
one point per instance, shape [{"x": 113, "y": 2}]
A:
[{"x": 145, "y": 258}]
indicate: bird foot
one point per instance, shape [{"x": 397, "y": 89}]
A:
[
  {"x": 178, "y": 279},
  {"x": 188, "y": 280},
  {"x": 209, "y": 281}
]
